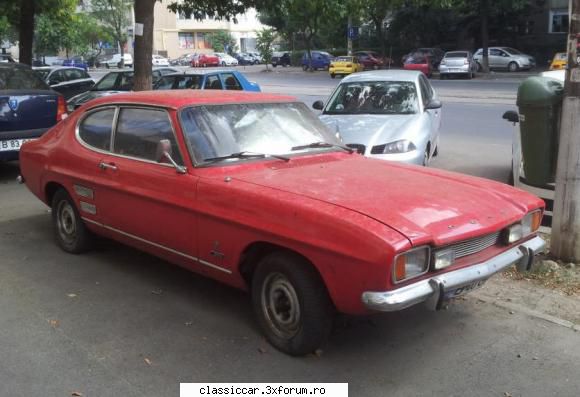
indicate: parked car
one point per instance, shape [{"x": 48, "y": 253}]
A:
[
  {"x": 435, "y": 55},
  {"x": 205, "y": 60},
  {"x": 67, "y": 81},
  {"x": 387, "y": 114},
  {"x": 273, "y": 204},
  {"x": 419, "y": 62},
  {"x": 113, "y": 83},
  {"x": 505, "y": 58},
  {"x": 4, "y": 58},
  {"x": 29, "y": 108},
  {"x": 244, "y": 59},
  {"x": 281, "y": 59},
  {"x": 320, "y": 60},
  {"x": 560, "y": 61},
  {"x": 344, "y": 65},
  {"x": 114, "y": 61},
  {"x": 76, "y": 62},
  {"x": 256, "y": 57},
  {"x": 226, "y": 59},
  {"x": 457, "y": 63},
  {"x": 207, "y": 80},
  {"x": 158, "y": 60},
  {"x": 372, "y": 60}
]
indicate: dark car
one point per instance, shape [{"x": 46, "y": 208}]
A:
[
  {"x": 77, "y": 62},
  {"x": 281, "y": 59},
  {"x": 66, "y": 81},
  {"x": 28, "y": 108},
  {"x": 244, "y": 59},
  {"x": 320, "y": 60},
  {"x": 112, "y": 83},
  {"x": 202, "y": 80}
]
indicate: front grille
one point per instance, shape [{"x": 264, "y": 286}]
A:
[
  {"x": 358, "y": 147},
  {"x": 473, "y": 246}
]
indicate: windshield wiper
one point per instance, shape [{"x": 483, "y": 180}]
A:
[
  {"x": 315, "y": 145},
  {"x": 245, "y": 155}
]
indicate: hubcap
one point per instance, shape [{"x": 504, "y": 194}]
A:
[
  {"x": 66, "y": 222},
  {"x": 280, "y": 305}
]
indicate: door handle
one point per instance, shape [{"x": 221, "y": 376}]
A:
[{"x": 104, "y": 166}]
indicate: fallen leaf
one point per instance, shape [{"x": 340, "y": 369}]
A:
[
  {"x": 506, "y": 394},
  {"x": 262, "y": 350},
  {"x": 71, "y": 295},
  {"x": 148, "y": 361},
  {"x": 53, "y": 323},
  {"x": 157, "y": 291},
  {"x": 189, "y": 323},
  {"x": 76, "y": 394},
  {"x": 318, "y": 352}
]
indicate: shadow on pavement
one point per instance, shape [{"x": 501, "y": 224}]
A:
[{"x": 9, "y": 171}]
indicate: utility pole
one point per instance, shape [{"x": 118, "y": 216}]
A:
[
  {"x": 349, "y": 36},
  {"x": 565, "y": 241}
]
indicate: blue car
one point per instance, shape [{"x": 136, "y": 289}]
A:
[
  {"x": 207, "y": 80},
  {"x": 28, "y": 108},
  {"x": 76, "y": 62},
  {"x": 320, "y": 60}
]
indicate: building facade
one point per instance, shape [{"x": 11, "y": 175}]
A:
[{"x": 175, "y": 35}]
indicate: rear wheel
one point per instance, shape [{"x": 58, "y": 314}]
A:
[
  {"x": 304, "y": 67},
  {"x": 332, "y": 75},
  {"x": 70, "y": 231},
  {"x": 291, "y": 304}
]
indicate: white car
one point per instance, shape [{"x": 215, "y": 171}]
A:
[
  {"x": 115, "y": 61},
  {"x": 158, "y": 60},
  {"x": 226, "y": 59},
  {"x": 386, "y": 114}
]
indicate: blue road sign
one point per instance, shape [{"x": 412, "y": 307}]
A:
[{"x": 353, "y": 32}]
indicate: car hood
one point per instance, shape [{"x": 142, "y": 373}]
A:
[
  {"x": 370, "y": 130},
  {"x": 427, "y": 206}
]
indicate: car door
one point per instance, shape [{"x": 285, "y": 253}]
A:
[
  {"x": 230, "y": 82},
  {"x": 495, "y": 58},
  {"x": 433, "y": 115},
  {"x": 77, "y": 81},
  {"x": 213, "y": 82},
  {"x": 147, "y": 199}
]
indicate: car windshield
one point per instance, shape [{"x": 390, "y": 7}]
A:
[
  {"x": 512, "y": 51},
  {"x": 270, "y": 128},
  {"x": 109, "y": 82},
  {"x": 458, "y": 54},
  {"x": 43, "y": 73},
  {"x": 180, "y": 82},
  {"x": 416, "y": 59},
  {"x": 20, "y": 79},
  {"x": 374, "y": 97},
  {"x": 343, "y": 59}
]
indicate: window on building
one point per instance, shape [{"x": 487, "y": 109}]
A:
[
  {"x": 203, "y": 41},
  {"x": 186, "y": 40},
  {"x": 559, "y": 21}
]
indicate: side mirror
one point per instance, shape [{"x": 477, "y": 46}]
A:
[
  {"x": 511, "y": 116},
  {"x": 318, "y": 105},
  {"x": 433, "y": 104},
  {"x": 163, "y": 155}
]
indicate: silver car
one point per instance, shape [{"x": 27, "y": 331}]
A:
[
  {"x": 386, "y": 114},
  {"x": 457, "y": 63},
  {"x": 505, "y": 58}
]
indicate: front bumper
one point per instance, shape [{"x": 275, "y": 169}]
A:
[
  {"x": 432, "y": 290},
  {"x": 413, "y": 157},
  {"x": 444, "y": 69}
]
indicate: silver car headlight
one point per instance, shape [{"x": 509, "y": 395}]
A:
[
  {"x": 401, "y": 146},
  {"x": 410, "y": 264},
  {"x": 528, "y": 225}
]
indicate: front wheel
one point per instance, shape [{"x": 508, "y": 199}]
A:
[
  {"x": 291, "y": 304},
  {"x": 513, "y": 67},
  {"x": 70, "y": 231}
]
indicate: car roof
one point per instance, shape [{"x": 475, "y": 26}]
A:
[
  {"x": 378, "y": 75},
  {"x": 55, "y": 67},
  {"x": 201, "y": 72},
  {"x": 14, "y": 65},
  {"x": 181, "y": 98}
]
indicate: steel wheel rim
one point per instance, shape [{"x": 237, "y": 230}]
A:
[
  {"x": 66, "y": 222},
  {"x": 280, "y": 305}
]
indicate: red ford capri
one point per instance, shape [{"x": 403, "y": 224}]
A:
[{"x": 252, "y": 190}]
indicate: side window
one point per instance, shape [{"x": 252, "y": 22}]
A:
[
  {"x": 125, "y": 82},
  {"x": 73, "y": 74},
  {"x": 95, "y": 130},
  {"x": 84, "y": 74},
  {"x": 213, "y": 82},
  {"x": 57, "y": 77},
  {"x": 139, "y": 132},
  {"x": 231, "y": 82},
  {"x": 494, "y": 52},
  {"x": 424, "y": 91}
]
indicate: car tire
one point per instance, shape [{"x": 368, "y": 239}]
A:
[
  {"x": 107, "y": 66},
  {"x": 332, "y": 75},
  {"x": 436, "y": 152},
  {"x": 70, "y": 231},
  {"x": 442, "y": 76},
  {"x": 426, "y": 157},
  {"x": 469, "y": 76},
  {"x": 513, "y": 67},
  {"x": 479, "y": 67},
  {"x": 304, "y": 67},
  {"x": 223, "y": 63},
  {"x": 291, "y": 304}
]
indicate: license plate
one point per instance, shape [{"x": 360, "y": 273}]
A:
[
  {"x": 12, "y": 144},
  {"x": 454, "y": 293}
]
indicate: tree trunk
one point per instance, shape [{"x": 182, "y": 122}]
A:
[
  {"x": 144, "y": 45},
  {"x": 26, "y": 34},
  {"x": 380, "y": 34},
  {"x": 485, "y": 35}
]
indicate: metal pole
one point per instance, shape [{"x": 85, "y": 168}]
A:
[
  {"x": 565, "y": 240},
  {"x": 349, "y": 37}
]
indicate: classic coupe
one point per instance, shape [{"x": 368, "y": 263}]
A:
[
  {"x": 386, "y": 114},
  {"x": 252, "y": 190}
]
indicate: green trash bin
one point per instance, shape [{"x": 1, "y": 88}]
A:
[{"x": 540, "y": 104}]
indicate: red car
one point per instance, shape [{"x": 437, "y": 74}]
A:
[
  {"x": 372, "y": 60},
  {"x": 204, "y": 60},
  {"x": 252, "y": 190},
  {"x": 419, "y": 62}
]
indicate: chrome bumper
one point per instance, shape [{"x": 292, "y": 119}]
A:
[{"x": 433, "y": 290}]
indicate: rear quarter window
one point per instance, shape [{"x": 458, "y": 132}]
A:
[{"x": 96, "y": 129}]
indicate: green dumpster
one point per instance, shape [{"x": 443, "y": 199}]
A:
[{"x": 539, "y": 104}]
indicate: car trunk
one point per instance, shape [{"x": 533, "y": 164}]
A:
[{"x": 28, "y": 110}]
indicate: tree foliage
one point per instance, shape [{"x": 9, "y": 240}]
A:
[
  {"x": 264, "y": 40},
  {"x": 221, "y": 40},
  {"x": 114, "y": 14}
]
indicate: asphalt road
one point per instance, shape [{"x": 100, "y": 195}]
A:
[{"x": 117, "y": 322}]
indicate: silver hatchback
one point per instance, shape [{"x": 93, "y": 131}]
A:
[
  {"x": 506, "y": 58},
  {"x": 457, "y": 63}
]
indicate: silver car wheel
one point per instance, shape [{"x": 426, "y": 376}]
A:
[
  {"x": 66, "y": 222},
  {"x": 280, "y": 305}
]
